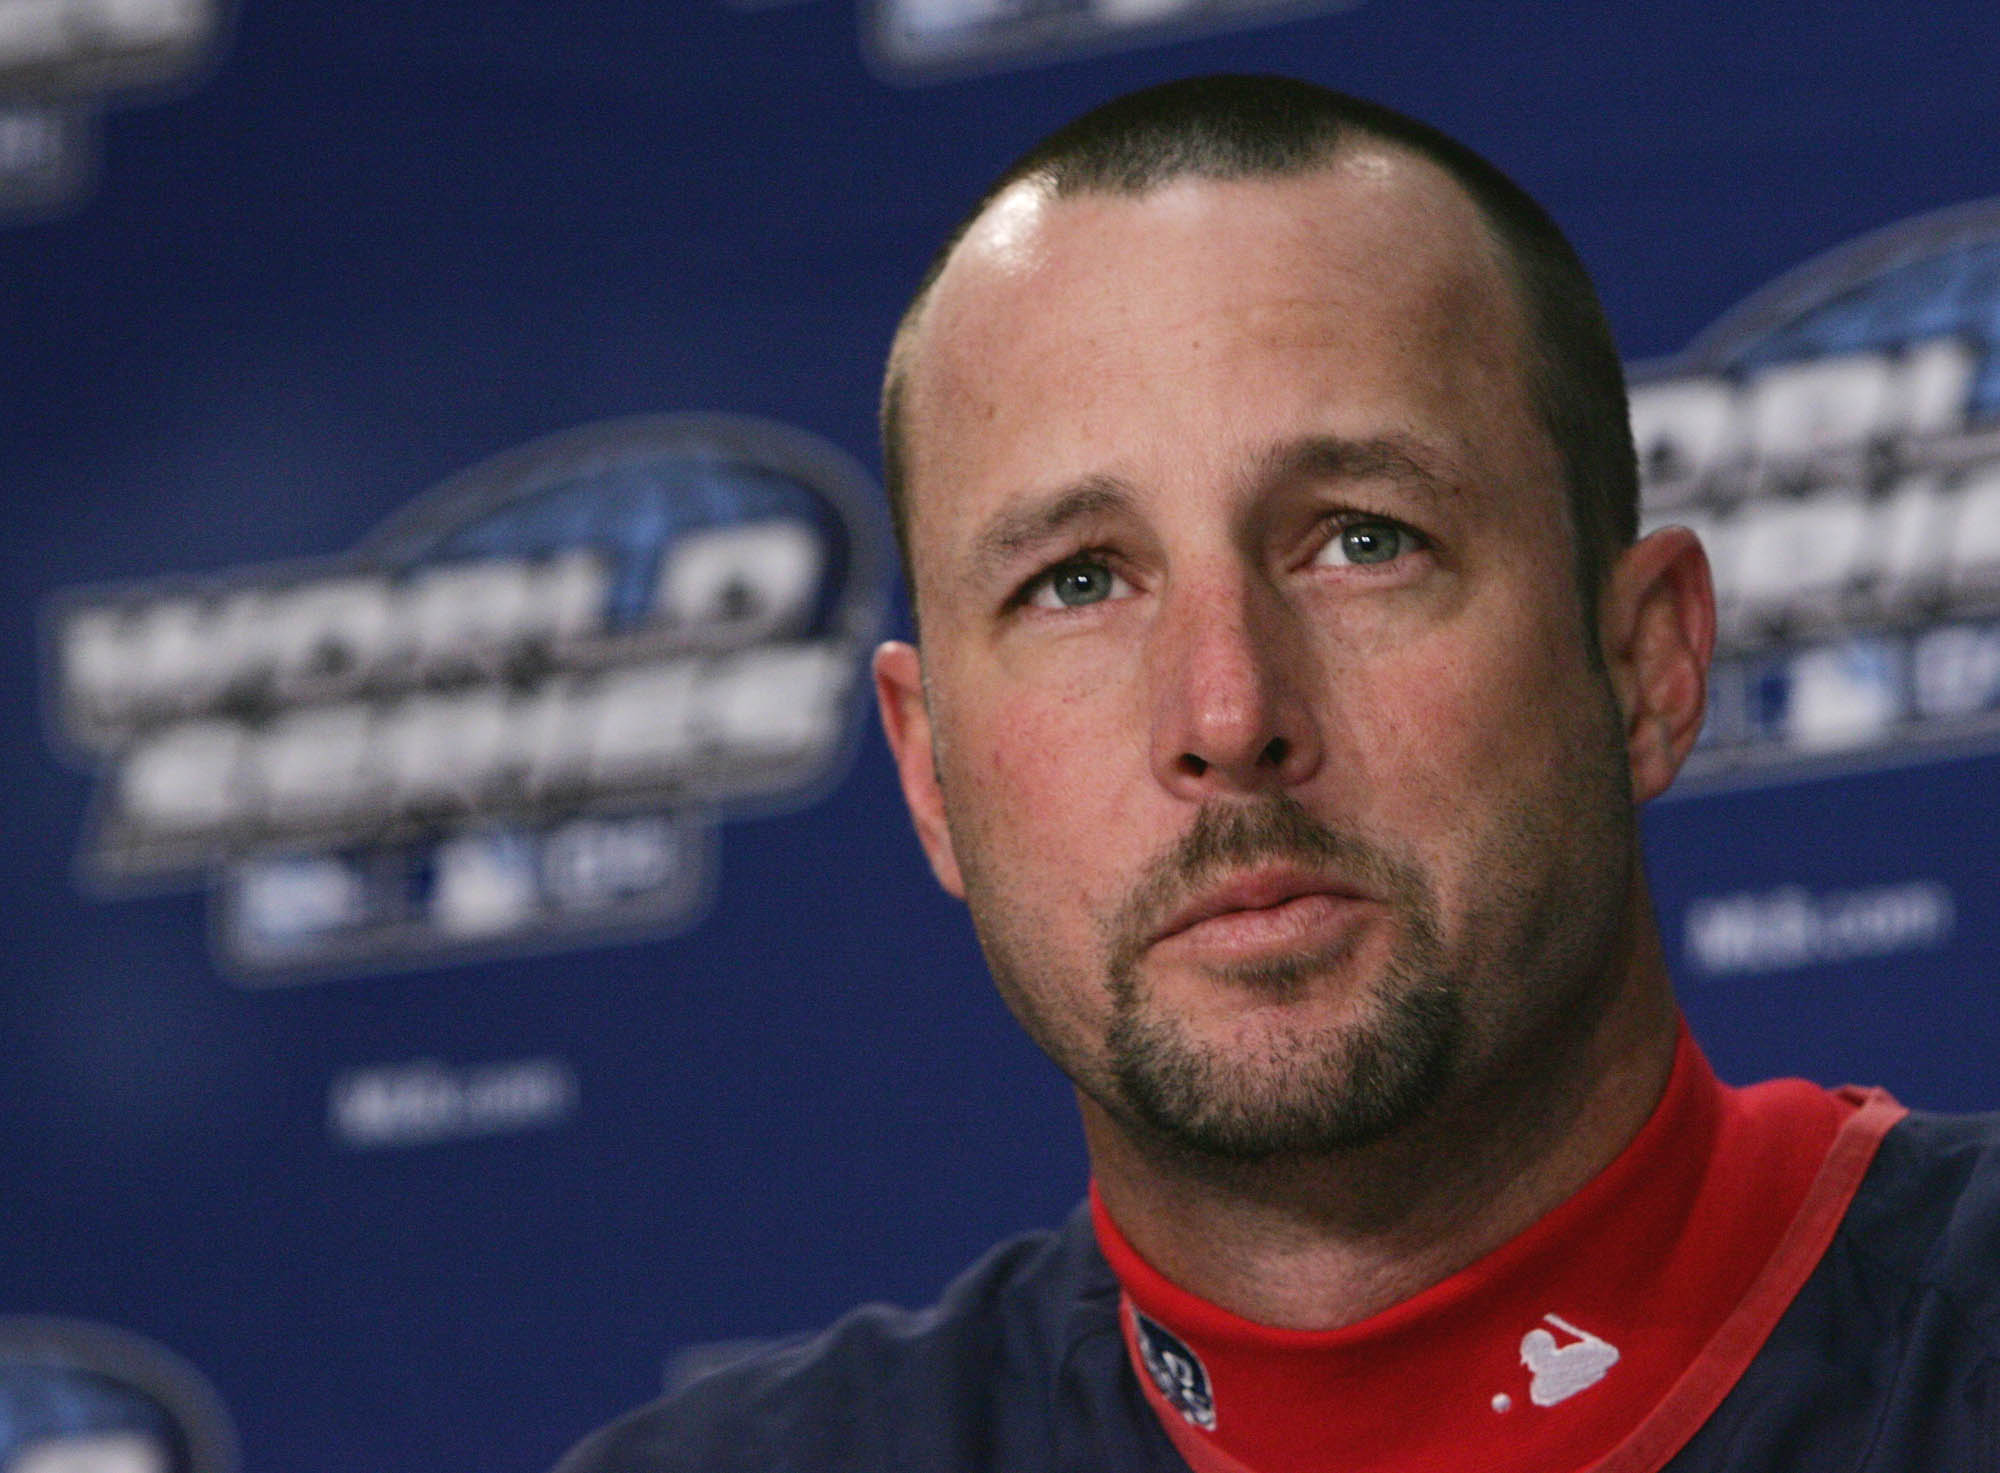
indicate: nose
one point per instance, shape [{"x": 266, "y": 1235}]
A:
[{"x": 1234, "y": 698}]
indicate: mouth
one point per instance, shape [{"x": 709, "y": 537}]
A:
[{"x": 1263, "y": 909}]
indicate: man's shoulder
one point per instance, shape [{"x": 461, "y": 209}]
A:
[
  {"x": 1928, "y": 1215},
  {"x": 1890, "y": 1351},
  {"x": 883, "y": 1385}
]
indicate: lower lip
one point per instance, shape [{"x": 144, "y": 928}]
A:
[{"x": 1315, "y": 920}]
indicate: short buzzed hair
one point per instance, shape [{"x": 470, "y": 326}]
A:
[{"x": 1230, "y": 127}]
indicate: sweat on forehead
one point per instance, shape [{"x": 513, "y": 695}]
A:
[
  {"x": 1049, "y": 303},
  {"x": 1412, "y": 206},
  {"x": 1235, "y": 128}
]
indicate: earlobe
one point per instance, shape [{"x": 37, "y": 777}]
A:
[
  {"x": 1657, "y": 627},
  {"x": 906, "y": 721}
]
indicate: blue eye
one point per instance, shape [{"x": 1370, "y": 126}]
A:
[
  {"x": 1076, "y": 583},
  {"x": 1366, "y": 542}
]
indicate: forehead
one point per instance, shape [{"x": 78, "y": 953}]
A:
[{"x": 1354, "y": 294}]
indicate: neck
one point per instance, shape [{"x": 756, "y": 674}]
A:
[{"x": 1319, "y": 1242}]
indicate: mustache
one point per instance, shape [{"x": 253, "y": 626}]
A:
[{"x": 1226, "y": 838}]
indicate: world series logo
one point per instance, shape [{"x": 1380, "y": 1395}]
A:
[
  {"x": 1836, "y": 442},
  {"x": 63, "y": 61},
  {"x": 81, "y": 1397},
  {"x": 513, "y": 717},
  {"x": 911, "y": 40}
]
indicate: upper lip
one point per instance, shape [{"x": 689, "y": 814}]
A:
[{"x": 1256, "y": 889}]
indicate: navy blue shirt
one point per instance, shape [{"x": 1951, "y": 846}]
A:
[{"x": 1884, "y": 1363}]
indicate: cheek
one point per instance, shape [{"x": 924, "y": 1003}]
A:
[
  {"x": 1034, "y": 818},
  {"x": 1028, "y": 769},
  {"x": 1044, "y": 727},
  {"x": 1453, "y": 730},
  {"x": 1047, "y": 795}
]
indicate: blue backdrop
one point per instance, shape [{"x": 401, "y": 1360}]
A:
[{"x": 426, "y": 1126}]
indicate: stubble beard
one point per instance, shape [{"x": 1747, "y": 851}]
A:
[{"x": 1310, "y": 1088}]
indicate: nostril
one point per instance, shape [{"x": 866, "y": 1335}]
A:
[
  {"x": 1191, "y": 765},
  {"x": 1274, "y": 753}
]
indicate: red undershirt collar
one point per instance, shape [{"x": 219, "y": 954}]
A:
[{"x": 1600, "y": 1337}]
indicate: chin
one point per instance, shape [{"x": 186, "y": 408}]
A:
[{"x": 1282, "y": 1088}]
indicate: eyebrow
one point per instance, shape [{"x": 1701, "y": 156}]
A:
[
  {"x": 1332, "y": 458},
  {"x": 1020, "y": 529}
]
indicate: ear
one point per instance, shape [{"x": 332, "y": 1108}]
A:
[
  {"x": 906, "y": 720},
  {"x": 1656, "y": 627}
]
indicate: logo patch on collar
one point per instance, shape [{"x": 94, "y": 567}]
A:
[
  {"x": 1177, "y": 1371},
  {"x": 1563, "y": 1369}
]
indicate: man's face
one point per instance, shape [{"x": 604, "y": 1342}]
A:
[{"x": 1260, "y": 730}]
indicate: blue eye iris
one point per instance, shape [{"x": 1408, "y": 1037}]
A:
[
  {"x": 1080, "y": 583},
  {"x": 1371, "y": 542}
]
